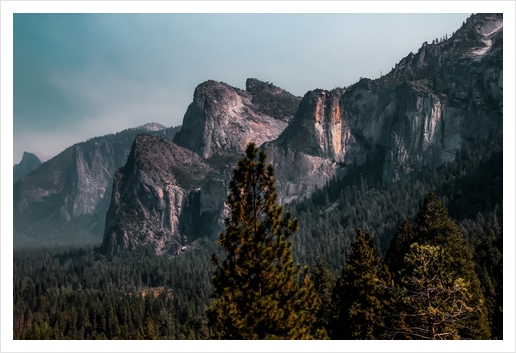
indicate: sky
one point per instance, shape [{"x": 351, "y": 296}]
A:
[{"x": 78, "y": 76}]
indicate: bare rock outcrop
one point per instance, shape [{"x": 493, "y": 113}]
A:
[
  {"x": 222, "y": 120},
  {"x": 155, "y": 198}
]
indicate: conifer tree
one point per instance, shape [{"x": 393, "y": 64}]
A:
[
  {"x": 437, "y": 304},
  {"x": 259, "y": 292},
  {"x": 360, "y": 296},
  {"x": 438, "y": 263},
  {"x": 399, "y": 247},
  {"x": 434, "y": 227},
  {"x": 324, "y": 282}
]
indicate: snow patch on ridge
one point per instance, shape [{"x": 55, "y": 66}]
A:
[{"x": 151, "y": 127}]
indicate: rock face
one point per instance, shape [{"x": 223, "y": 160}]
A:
[
  {"x": 65, "y": 200},
  {"x": 222, "y": 119},
  {"x": 313, "y": 148},
  {"x": 29, "y": 162},
  {"x": 432, "y": 105},
  {"x": 155, "y": 198}
]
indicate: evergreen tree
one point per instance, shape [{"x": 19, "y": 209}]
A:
[
  {"x": 324, "y": 282},
  {"x": 360, "y": 297},
  {"x": 400, "y": 246},
  {"x": 437, "y": 304},
  {"x": 441, "y": 263},
  {"x": 257, "y": 292},
  {"x": 434, "y": 227}
]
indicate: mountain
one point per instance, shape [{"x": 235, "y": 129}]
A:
[
  {"x": 169, "y": 194},
  {"x": 155, "y": 198},
  {"x": 432, "y": 105},
  {"x": 29, "y": 162},
  {"x": 222, "y": 119},
  {"x": 65, "y": 200}
]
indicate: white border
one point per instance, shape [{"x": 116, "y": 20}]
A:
[{"x": 9, "y": 7}]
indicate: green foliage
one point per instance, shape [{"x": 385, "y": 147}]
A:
[
  {"x": 71, "y": 293},
  {"x": 441, "y": 296},
  {"x": 324, "y": 282},
  {"x": 76, "y": 293},
  {"x": 472, "y": 183},
  {"x": 279, "y": 106},
  {"x": 400, "y": 246},
  {"x": 437, "y": 303},
  {"x": 257, "y": 292},
  {"x": 360, "y": 297}
]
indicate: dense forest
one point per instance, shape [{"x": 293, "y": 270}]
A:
[{"x": 349, "y": 227}]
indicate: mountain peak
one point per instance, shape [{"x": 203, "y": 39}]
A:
[
  {"x": 150, "y": 194},
  {"x": 152, "y": 127},
  {"x": 29, "y": 162},
  {"x": 223, "y": 119},
  {"x": 254, "y": 86}
]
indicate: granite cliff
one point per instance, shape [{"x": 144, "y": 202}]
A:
[
  {"x": 432, "y": 105},
  {"x": 155, "y": 198},
  {"x": 222, "y": 119}
]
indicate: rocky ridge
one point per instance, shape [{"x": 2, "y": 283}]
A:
[
  {"x": 222, "y": 119},
  {"x": 432, "y": 105},
  {"x": 65, "y": 199}
]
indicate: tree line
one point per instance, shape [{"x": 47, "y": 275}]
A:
[
  {"x": 363, "y": 284},
  {"x": 425, "y": 287}
]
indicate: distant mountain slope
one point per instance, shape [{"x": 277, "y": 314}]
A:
[
  {"x": 65, "y": 200},
  {"x": 29, "y": 162},
  {"x": 430, "y": 107}
]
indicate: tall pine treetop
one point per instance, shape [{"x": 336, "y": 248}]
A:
[{"x": 257, "y": 292}]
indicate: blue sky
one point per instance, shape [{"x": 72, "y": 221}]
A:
[{"x": 82, "y": 75}]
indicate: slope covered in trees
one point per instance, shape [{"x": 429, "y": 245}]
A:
[{"x": 77, "y": 293}]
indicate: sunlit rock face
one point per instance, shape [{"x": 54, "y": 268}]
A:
[
  {"x": 429, "y": 107},
  {"x": 223, "y": 119},
  {"x": 433, "y": 104}
]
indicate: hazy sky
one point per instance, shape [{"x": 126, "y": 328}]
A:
[{"x": 82, "y": 75}]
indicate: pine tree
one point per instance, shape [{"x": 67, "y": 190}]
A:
[
  {"x": 399, "y": 247},
  {"x": 439, "y": 263},
  {"x": 360, "y": 296},
  {"x": 259, "y": 292},
  {"x": 434, "y": 227},
  {"x": 437, "y": 304},
  {"x": 324, "y": 282}
]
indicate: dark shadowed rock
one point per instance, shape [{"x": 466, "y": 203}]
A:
[
  {"x": 65, "y": 200},
  {"x": 165, "y": 196}
]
